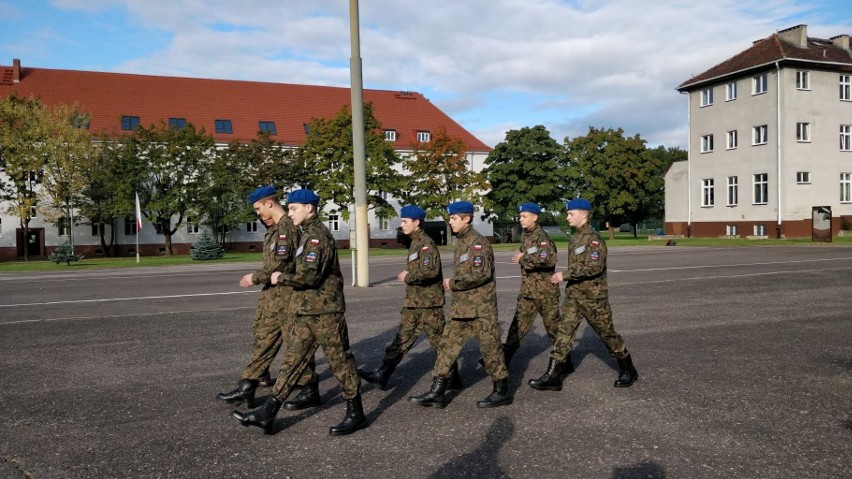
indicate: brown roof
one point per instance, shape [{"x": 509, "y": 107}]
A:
[
  {"x": 109, "y": 96},
  {"x": 764, "y": 53}
]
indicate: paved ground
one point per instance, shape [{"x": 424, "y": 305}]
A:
[{"x": 744, "y": 354}]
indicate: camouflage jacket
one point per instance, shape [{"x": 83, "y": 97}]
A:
[
  {"x": 423, "y": 282},
  {"x": 538, "y": 264},
  {"x": 586, "y": 275},
  {"x": 317, "y": 281},
  {"x": 279, "y": 245},
  {"x": 473, "y": 288}
]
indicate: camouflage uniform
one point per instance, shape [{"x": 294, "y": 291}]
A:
[
  {"x": 272, "y": 316},
  {"x": 423, "y": 306},
  {"x": 318, "y": 306},
  {"x": 537, "y": 294},
  {"x": 474, "y": 307},
  {"x": 586, "y": 295}
]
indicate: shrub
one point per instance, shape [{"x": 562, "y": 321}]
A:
[
  {"x": 206, "y": 248},
  {"x": 64, "y": 253}
]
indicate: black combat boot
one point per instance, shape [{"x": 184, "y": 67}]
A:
[
  {"x": 353, "y": 420},
  {"x": 435, "y": 396},
  {"x": 455, "y": 382},
  {"x": 551, "y": 380},
  {"x": 266, "y": 380},
  {"x": 308, "y": 396},
  {"x": 627, "y": 374},
  {"x": 262, "y": 417},
  {"x": 499, "y": 395},
  {"x": 379, "y": 376},
  {"x": 244, "y": 392}
]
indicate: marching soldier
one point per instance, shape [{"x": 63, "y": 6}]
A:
[
  {"x": 423, "y": 305},
  {"x": 473, "y": 312},
  {"x": 271, "y": 316},
  {"x": 318, "y": 306},
  {"x": 586, "y": 296}
]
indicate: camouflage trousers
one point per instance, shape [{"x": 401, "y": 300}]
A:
[
  {"x": 598, "y": 314},
  {"x": 527, "y": 310},
  {"x": 412, "y": 322},
  {"x": 307, "y": 333},
  {"x": 270, "y": 328},
  {"x": 457, "y": 333}
]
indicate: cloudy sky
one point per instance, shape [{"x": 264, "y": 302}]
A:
[{"x": 493, "y": 65}]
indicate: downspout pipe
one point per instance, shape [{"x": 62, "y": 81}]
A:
[
  {"x": 778, "y": 145},
  {"x": 688, "y": 165}
]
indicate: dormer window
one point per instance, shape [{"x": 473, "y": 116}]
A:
[
  {"x": 128, "y": 123},
  {"x": 224, "y": 126},
  {"x": 390, "y": 135},
  {"x": 423, "y": 136},
  {"x": 267, "y": 127},
  {"x": 177, "y": 122}
]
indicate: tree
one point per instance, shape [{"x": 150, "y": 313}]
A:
[
  {"x": 617, "y": 174},
  {"x": 64, "y": 253},
  {"x": 329, "y": 162},
  {"x": 97, "y": 199},
  {"x": 169, "y": 168},
  {"x": 439, "y": 174},
  {"x": 528, "y": 166},
  {"x": 206, "y": 248}
]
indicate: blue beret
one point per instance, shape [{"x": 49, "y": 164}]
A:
[
  {"x": 261, "y": 193},
  {"x": 306, "y": 197},
  {"x": 529, "y": 207},
  {"x": 460, "y": 207},
  {"x": 413, "y": 212},
  {"x": 578, "y": 204}
]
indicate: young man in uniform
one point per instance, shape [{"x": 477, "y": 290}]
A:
[
  {"x": 271, "y": 316},
  {"x": 473, "y": 312},
  {"x": 586, "y": 296},
  {"x": 318, "y": 306},
  {"x": 423, "y": 305}
]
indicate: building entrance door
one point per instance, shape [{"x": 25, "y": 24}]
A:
[{"x": 32, "y": 243}]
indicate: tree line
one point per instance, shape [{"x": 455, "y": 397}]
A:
[{"x": 54, "y": 166}]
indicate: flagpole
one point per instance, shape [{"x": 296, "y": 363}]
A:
[{"x": 138, "y": 225}]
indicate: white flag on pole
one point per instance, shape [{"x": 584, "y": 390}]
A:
[{"x": 138, "y": 215}]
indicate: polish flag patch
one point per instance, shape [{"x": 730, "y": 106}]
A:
[
  {"x": 314, "y": 241},
  {"x": 477, "y": 246},
  {"x": 596, "y": 243},
  {"x": 425, "y": 248}
]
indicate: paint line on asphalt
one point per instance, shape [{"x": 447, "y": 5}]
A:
[
  {"x": 118, "y": 316},
  {"x": 106, "y": 300}
]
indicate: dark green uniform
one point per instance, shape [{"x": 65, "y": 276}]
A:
[
  {"x": 423, "y": 305},
  {"x": 272, "y": 316},
  {"x": 586, "y": 295},
  {"x": 537, "y": 294},
  {"x": 474, "y": 307},
  {"x": 318, "y": 307}
]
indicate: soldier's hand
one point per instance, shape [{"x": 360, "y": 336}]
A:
[
  {"x": 275, "y": 276},
  {"x": 517, "y": 257},
  {"x": 246, "y": 281},
  {"x": 447, "y": 284},
  {"x": 556, "y": 278},
  {"x": 401, "y": 276}
]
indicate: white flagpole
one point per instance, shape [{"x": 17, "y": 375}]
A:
[{"x": 138, "y": 225}]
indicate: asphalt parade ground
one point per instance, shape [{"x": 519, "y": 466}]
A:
[{"x": 744, "y": 356}]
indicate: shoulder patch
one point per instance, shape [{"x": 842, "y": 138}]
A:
[
  {"x": 311, "y": 257},
  {"x": 282, "y": 237},
  {"x": 425, "y": 248},
  {"x": 477, "y": 246},
  {"x": 596, "y": 243},
  {"x": 543, "y": 243},
  {"x": 315, "y": 241}
]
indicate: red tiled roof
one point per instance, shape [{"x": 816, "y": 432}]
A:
[
  {"x": 767, "y": 51},
  {"x": 109, "y": 96}
]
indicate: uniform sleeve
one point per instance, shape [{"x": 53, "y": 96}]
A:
[
  {"x": 426, "y": 268},
  {"x": 542, "y": 259},
  {"x": 311, "y": 263},
  {"x": 591, "y": 262},
  {"x": 264, "y": 274},
  {"x": 476, "y": 271}
]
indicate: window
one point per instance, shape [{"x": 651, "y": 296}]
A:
[
  {"x": 129, "y": 122},
  {"x": 761, "y": 188},
  {"x": 306, "y": 127},
  {"x": 384, "y": 224},
  {"x": 129, "y": 226},
  {"x": 97, "y": 229},
  {"x": 177, "y": 122},
  {"x": 33, "y": 212},
  {"x": 706, "y": 143},
  {"x": 733, "y": 191},
  {"x": 803, "y": 132},
  {"x": 845, "y": 87},
  {"x": 845, "y": 137},
  {"x": 803, "y": 177},
  {"x": 423, "y": 136},
  {"x": 63, "y": 225},
  {"x": 707, "y": 97},
  {"x": 383, "y": 195},
  {"x": 251, "y": 227},
  {"x": 758, "y": 84},
  {"x": 759, "y": 230},
  {"x": 334, "y": 222},
  {"x": 760, "y": 135},
  {"x": 191, "y": 225},
  {"x": 846, "y": 187},
  {"x": 224, "y": 126},
  {"x": 732, "y": 139},
  {"x": 267, "y": 127},
  {"x": 731, "y": 230},
  {"x": 707, "y": 192},
  {"x": 731, "y": 91},
  {"x": 390, "y": 135},
  {"x": 803, "y": 81}
]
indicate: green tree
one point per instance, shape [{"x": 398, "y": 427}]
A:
[
  {"x": 169, "y": 168},
  {"x": 206, "y": 248},
  {"x": 329, "y": 162},
  {"x": 440, "y": 173},
  {"x": 528, "y": 166},
  {"x": 97, "y": 199},
  {"x": 64, "y": 253},
  {"x": 617, "y": 174}
]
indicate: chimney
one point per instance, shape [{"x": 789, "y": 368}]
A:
[
  {"x": 16, "y": 69},
  {"x": 841, "y": 41},
  {"x": 797, "y": 35}
]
